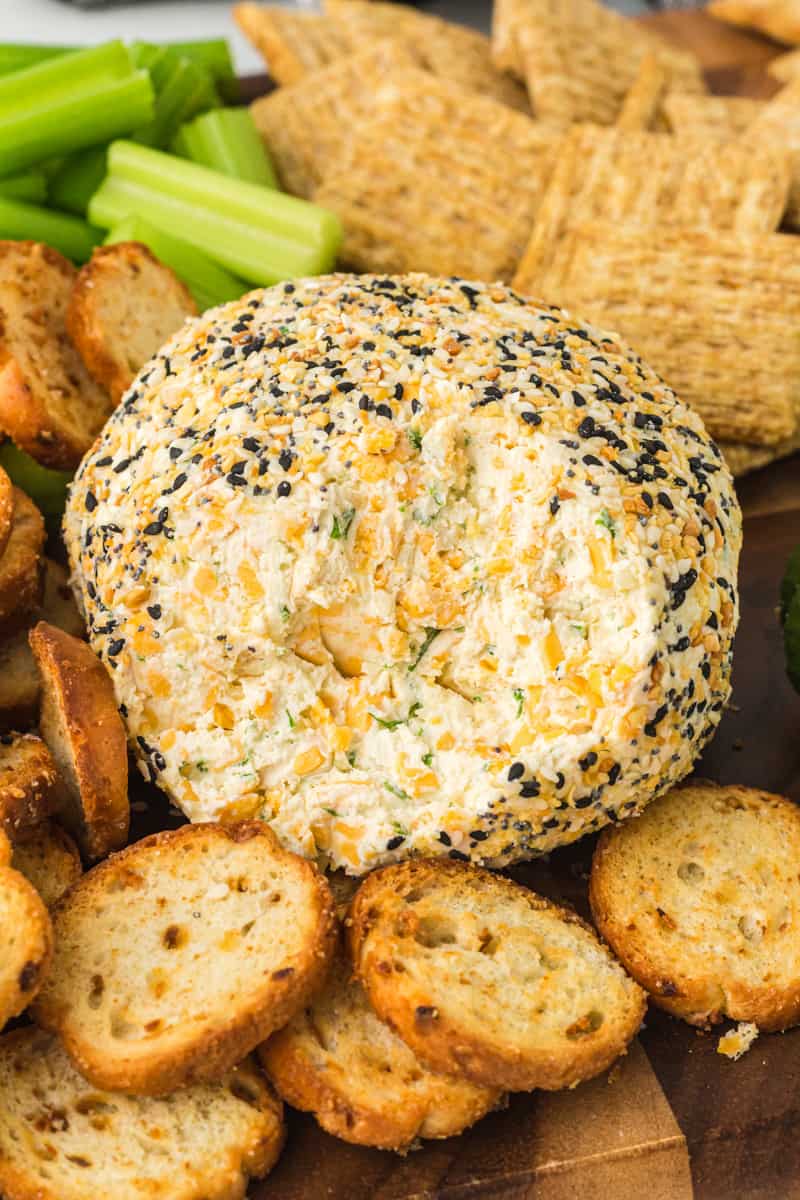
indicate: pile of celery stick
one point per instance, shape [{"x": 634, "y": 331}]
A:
[{"x": 136, "y": 142}]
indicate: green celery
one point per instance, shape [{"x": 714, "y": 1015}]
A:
[
  {"x": 19, "y": 57},
  {"x": 227, "y": 140},
  {"x": 214, "y": 54},
  {"x": 68, "y": 103},
  {"x": 72, "y": 236},
  {"x": 209, "y": 283},
  {"x": 30, "y": 186},
  {"x": 47, "y": 489},
  {"x": 76, "y": 181},
  {"x": 185, "y": 90},
  {"x": 261, "y": 235}
]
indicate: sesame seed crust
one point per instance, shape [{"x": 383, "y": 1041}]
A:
[{"x": 408, "y": 565}]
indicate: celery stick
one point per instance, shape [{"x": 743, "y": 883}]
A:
[
  {"x": 47, "y": 489},
  {"x": 214, "y": 54},
  {"x": 182, "y": 91},
  {"x": 68, "y": 103},
  {"x": 227, "y": 140},
  {"x": 73, "y": 237},
  {"x": 31, "y": 186},
  {"x": 209, "y": 283},
  {"x": 18, "y": 57},
  {"x": 77, "y": 180},
  {"x": 259, "y": 234}
]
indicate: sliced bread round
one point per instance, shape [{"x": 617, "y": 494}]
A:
[
  {"x": 84, "y": 731},
  {"x": 26, "y": 943},
  {"x": 337, "y": 1060},
  {"x": 483, "y": 978},
  {"x": 21, "y": 563},
  {"x": 28, "y": 783},
  {"x": 177, "y": 956},
  {"x": 700, "y": 899},
  {"x": 5, "y": 849},
  {"x": 62, "y": 1139},
  {"x": 6, "y": 509},
  {"x": 48, "y": 859},
  {"x": 124, "y": 306}
]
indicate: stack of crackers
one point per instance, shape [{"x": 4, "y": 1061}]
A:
[{"x": 573, "y": 153}]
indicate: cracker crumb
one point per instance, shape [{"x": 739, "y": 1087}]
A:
[{"x": 738, "y": 1041}]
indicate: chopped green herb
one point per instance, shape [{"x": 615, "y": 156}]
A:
[
  {"x": 392, "y": 723},
  {"x": 428, "y": 758},
  {"x": 401, "y": 829},
  {"x": 581, "y": 629},
  {"x": 430, "y": 636},
  {"x": 519, "y": 696},
  {"x": 285, "y": 614},
  {"x": 291, "y": 719},
  {"x": 351, "y": 757},
  {"x": 489, "y": 649},
  {"x": 395, "y": 790},
  {"x": 605, "y": 520},
  {"x": 330, "y": 811},
  {"x": 415, "y": 437},
  {"x": 341, "y": 525}
]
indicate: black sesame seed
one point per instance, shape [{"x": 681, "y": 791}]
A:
[
  {"x": 285, "y": 459},
  {"x": 284, "y": 487},
  {"x": 394, "y": 842},
  {"x": 91, "y": 502},
  {"x": 444, "y": 838},
  {"x": 154, "y": 610},
  {"x": 478, "y": 835},
  {"x": 458, "y": 856},
  {"x": 515, "y": 771},
  {"x": 345, "y": 387},
  {"x": 116, "y": 647},
  {"x": 383, "y": 410},
  {"x": 587, "y": 761},
  {"x": 531, "y": 418},
  {"x": 555, "y": 505},
  {"x": 530, "y": 788},
  {"x": 153, "y": 529}
]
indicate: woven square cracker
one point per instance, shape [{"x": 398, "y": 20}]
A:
[
  {"x": 291, "y": 43},
  {"x": 780, "y": 19},
  {"x": 652, "y": 179},
  {"x": 579, "y": 59},
  {"x": 779, "y": 122},
  {"x": 440, "y": 181},
  {"x": 710, "y": 116},
  {"x": 642, "y": 103},
  {"x": 450, "y": 51},
  {"x": 785, "y": 67},
  {"x": 743, "y": 459},
  {"x": 715, "y": 313},
  {"x": 308, "y": 125}
]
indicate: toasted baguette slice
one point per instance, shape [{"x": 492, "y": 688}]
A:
[
  {"x": 176, "y": 957},
  {"x": 81, "y": 725},
  {"x": 61, "y": 1139},
  {"x": 5, "y": 850},
  {"x": 700, "y": 899},
  {"x": 21, "y": 564},
  {"x": 49, "y": 403},
  {"x": 49, "y": 859},
  {"x": 6, "y": 509},
  {"x": 19, "y": 678},
  {"x": 28, "y": 783},
  {"x": 26, "y": 943},
  {"x": 362, "y": 1083},
  {"x": 485, "y": 979},
  {"x": 124, "y": 306}
]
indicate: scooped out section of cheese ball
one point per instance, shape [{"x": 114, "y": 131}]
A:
[{"x": 408, "y": 565}]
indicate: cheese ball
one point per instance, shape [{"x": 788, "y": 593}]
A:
[{"x": 408, "y": 566}]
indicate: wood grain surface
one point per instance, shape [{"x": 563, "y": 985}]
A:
[{"x": 674, "y": 1119}]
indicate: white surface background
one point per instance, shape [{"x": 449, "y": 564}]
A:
[{"x": 53, "y": 21}]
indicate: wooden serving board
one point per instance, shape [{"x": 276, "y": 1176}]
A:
[{"x": 674, "y": 1119}]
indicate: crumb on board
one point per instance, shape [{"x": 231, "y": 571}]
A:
[{"x": 738, "y": 1041}]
